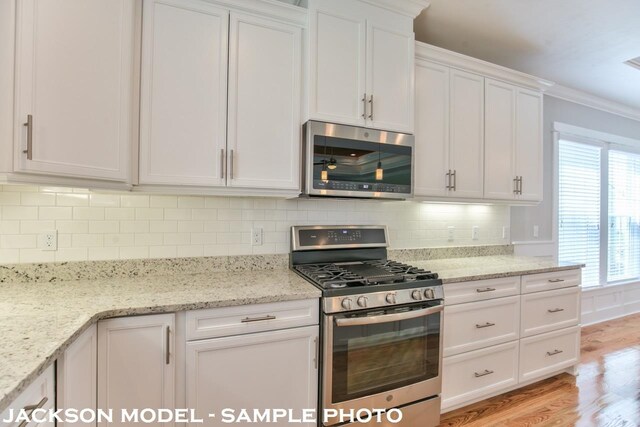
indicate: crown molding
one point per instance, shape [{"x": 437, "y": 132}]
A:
[
  {"x": 452, "y": 59},
  {"x": 593, "y": 101},
  {"x": 410, "y": 8}
]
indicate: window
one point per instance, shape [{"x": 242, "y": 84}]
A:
[{"x": 599, "y": 210}]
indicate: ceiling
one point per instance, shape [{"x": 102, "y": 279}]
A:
[{"x": 581, "y": 44}]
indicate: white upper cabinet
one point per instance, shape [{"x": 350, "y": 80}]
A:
[
  {"x": 528, "y": 146},
  {"x": 74, "y": 87},
  {"x": 466, "y": 150},
  {"x": 184, "y": 93},
  {"x": 265, "y": 68},
  {"x": 337, "y": 61},
  {"x": 390, "y": 78},
  {"x": 361, "y": 65},
  {"x": 432, "y": 129},
  {"x": 221, "y": 97},
  {"x": 500, "y": 101}
]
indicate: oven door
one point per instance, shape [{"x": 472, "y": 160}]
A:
[{"x": 382, "y": 358}]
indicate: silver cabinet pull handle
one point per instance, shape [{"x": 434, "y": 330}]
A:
[
  {"x": 486, "y": 325},
  {"x": 482, "y": 374},
  {"x": 556, "y": 280},
  {"x": 231, "y": 165},
  {"x": 554, "y": 352},
  {"x": 364, "y": 106},
  {"x": 257, "y": 319},
  {"x": 31, "y": 408},
  {"x": 316, "y": 354},
  {"x": 168, "y": 355},
  {"x": 222, "y": 163},
  {"x": 555, "y": 310},
  {"x": 515, "y": 185},
  {"x": 520, "y": 186},
  {"x": 455, "y": 180},
  {"x": 371, "y": 107},
  {"x": 29, "y": 126},
  {"x": 448, "y": 175},
  {"x": 485, "y": 290}
]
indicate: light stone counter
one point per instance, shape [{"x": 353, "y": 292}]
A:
[
  {"x": 490, "y": 267},
  {"x": 38, "y": 321}
]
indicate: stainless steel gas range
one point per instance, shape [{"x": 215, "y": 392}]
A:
[{"x": 381, "y": 324}]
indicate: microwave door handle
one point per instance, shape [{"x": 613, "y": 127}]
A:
[{"x": 386, "y": 318}]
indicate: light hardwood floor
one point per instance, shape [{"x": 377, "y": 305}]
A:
[{"x": 605, "y": 393}]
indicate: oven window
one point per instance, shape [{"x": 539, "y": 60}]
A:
[
  {"x": 369, "y": 359},
  {"x": 347, "y": 164}
]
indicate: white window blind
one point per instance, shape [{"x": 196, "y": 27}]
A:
[
  {"x": 624, "y": 216},
  {"x": 579, "y": 171}
]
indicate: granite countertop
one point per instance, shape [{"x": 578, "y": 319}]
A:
[
  {"x": 490, "y": 267},
  {"x": 40, "y": 320}
]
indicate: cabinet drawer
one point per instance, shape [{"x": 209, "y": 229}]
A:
[
  {"x": 244, "y": 319},
  {"x": 549, "y": 281},
  {"x": 480, "y": 324},
  {"x": 479, "y": 290},
  {"x": 479, "y": 373},
  {"x": 549, "y": 311},
  {"x": 40, "y": 393},
  {"x": 547, "y": 353}
]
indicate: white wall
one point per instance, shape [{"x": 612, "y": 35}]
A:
[{"x": 94, "y": 226}]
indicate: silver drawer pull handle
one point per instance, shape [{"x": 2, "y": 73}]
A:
[
  {"x": 485, "y": 290},
  {"x": 257, "y": 319},
  {"x": 555, "y": 310},
  {"x": 486, "y": 325},
  {"x": 554, "y": 352},
  {"x": 482, "y": 374},
  {"x": 29, "y": 126},
  {"x": 31, "y": 408},
  {"x": 556, "y": 280}
]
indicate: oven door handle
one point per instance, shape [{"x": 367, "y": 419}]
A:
[{"x": 385, "y": 318}]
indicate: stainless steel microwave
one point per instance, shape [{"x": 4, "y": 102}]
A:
[{"x": 350, "y": 161}]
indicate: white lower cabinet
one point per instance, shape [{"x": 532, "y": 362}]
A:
[
  {"x": 266, "y": 370},
  {"x": 77, "y": 375},
  {"x": 136, "y": 363},
  {"x": 478, "y": 373},
  {"x": 494, "y": 343},
  {"x": 40, "y": 396}
]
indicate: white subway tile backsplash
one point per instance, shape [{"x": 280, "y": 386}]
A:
[{"x": 126, "y": 226}]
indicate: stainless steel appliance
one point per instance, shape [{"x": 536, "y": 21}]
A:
[
  {"x": 381, "y": 323},
  {"x": 348, "y": 161}
]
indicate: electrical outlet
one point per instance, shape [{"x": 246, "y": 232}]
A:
[
  {"x": 450, "y": 233},
  {"x": 475, "y": 232},
  {"x": 536, "y": 231},
  {"x": 505, "y": 231},
  {"x": 48, "y": 241},
  {"x": 256, "y": 236}
]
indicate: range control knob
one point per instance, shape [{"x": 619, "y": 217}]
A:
[
  {"x": 391, "y": 298},
  {"x": 416, "y": 295},
  {"x": 346, "y": 303},
  {"x": 362, "y": 301},
  {"x": 429, "y": 293}
]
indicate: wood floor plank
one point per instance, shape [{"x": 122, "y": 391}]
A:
[{"x": 606, "y": 392}]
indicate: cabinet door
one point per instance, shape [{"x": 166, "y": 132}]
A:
[
  {"x": 467, "y": 133},
  {"x": 265, "y": 67},
  {"x": 264, "y": 370},
  {"x": 336, "y": 64},
  {"x": 77, "y": 374},
  {"x": 529, "y": 144},
  {"x": 136, "y": 363},
  {"x": 184, "y": 93},
  {"x": 75, "y": 79},
  {"x": 432, "y": 129},
  {"x": 499, "y": 139},
  {"x": 390, "y": 78}
]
